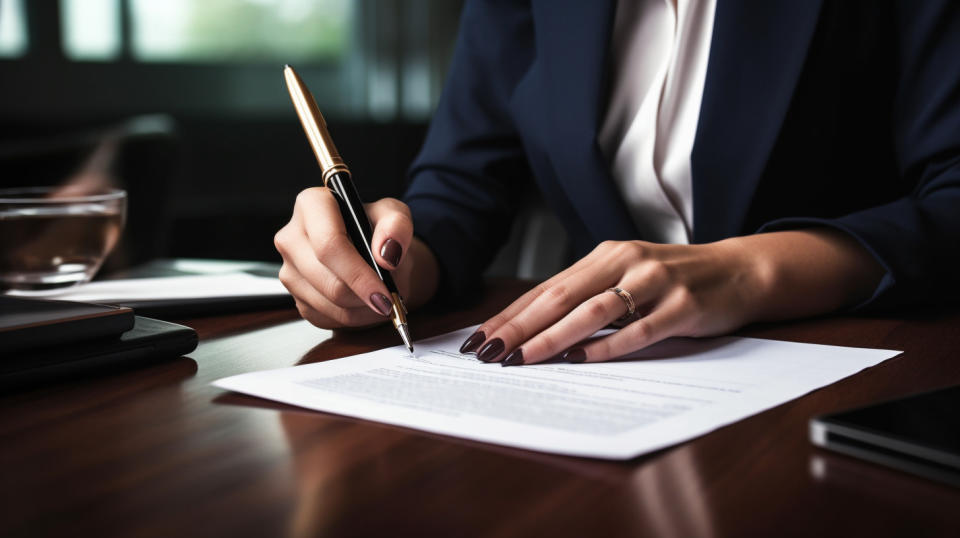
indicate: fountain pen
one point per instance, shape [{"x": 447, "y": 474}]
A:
[{"x": 336, "y": 177}]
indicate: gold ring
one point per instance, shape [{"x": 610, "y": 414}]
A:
[{"x": 627, "y": 300}]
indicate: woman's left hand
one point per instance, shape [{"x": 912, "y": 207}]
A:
[{"x": 678, "y": 290}]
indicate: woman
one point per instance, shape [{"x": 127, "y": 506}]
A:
[{"x": 715, "y": 164}]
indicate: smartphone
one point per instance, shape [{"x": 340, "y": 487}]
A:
[{"x": 919, "y": 434}]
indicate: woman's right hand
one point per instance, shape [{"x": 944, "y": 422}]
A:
[{"x": 332, "y": 284}]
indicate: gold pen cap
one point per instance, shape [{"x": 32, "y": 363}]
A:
[{"x": 314, "y": 125}]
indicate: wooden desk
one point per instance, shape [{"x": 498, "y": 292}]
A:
[{"x": 159, "y": 452}]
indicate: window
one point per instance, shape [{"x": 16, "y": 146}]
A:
[
  {"x": 239, "y": 30},
  {"x": 90, "y": 29},
  {"x": 13, "y": 29},
  {"x": 206, "y": 31},
  {"x": 376, "y": 59}
]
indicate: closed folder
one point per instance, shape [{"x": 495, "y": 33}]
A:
[
  {"x": 27, "y": 324},
  {"x": 148, "y": 342}
]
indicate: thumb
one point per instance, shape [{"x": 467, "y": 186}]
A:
[{"x": 392, "y": 231}]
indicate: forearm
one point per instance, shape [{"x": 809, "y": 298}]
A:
[{"x": 804, "y": 272}]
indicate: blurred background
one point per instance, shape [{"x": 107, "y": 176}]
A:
[{"x": 182, "y": 102}]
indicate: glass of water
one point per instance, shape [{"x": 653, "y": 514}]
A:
[{"x": 51, "y": 237}]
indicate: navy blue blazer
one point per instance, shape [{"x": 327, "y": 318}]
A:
[{"x": 840, "y": 113}]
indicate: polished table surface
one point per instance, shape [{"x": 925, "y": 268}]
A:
[{"x": 158, "y": 451}]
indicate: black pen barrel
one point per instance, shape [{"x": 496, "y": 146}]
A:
[{"x": 356, "y": 221}]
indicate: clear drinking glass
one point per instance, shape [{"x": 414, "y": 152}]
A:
[{"x": 51, "y": 237}]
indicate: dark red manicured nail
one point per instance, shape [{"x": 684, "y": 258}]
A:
[
  {"x": 491, "y": 351},
  {"x": 513, "y": 359},
  {"x": 576, "y": 354},
  {"x": 391, "y": 252},
  {"x": 381, "y": 303},
  {"x": 472, "y": 343}
]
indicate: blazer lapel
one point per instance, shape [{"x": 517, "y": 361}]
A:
[
  {"x": 574, "y": 89},
  {"x": 756, "y": 57}
]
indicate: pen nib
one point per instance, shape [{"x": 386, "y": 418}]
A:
[{"x": 405, "y": 334}]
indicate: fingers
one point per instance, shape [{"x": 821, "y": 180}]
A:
[
  {"x": 332, "y": 284},
  {"x": 574, "y": 305},
  {"x": 670, "y": 318},
  {"x": 547, "y": 308},
  {"x": 331, "y": 246},
  {"x": 474, "y": 342},
  {"x": 585, "y": 320},
  {"x": 301, "y": 269},
  {"x": 392, "y": 231},
  {"x": 319, "y": 311},
  {"x": 477, "y": 340}
]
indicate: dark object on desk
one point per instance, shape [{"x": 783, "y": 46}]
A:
[
  {"x": 148, "y": 341},
  {"x": 919, "y": 434},
  {"x": 36, "y": 323}
]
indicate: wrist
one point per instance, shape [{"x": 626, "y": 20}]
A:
[
  {"x": 753, "y": 272},
  {"x": 801, "y": 273},
  {"x": 424, "y": 274}
]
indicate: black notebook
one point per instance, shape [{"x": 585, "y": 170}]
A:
[
  {"x": 38, "y": 323},
  {"x": 149, "y": 341}
]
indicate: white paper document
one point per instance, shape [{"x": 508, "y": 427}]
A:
[
  {"x": 668, "y": 393},
  {"x": 166, "y": 288}
]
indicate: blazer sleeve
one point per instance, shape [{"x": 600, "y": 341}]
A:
[
  {"x": 463, "y": 182},
  {"x": 917, "y": 238}
]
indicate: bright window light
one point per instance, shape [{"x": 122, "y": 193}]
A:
[
  {"x": 91, "y": 29},
  {"x": 239, "y": 30},
  {"x": 13, "y": 29}
]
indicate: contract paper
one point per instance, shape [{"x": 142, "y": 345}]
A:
[{"x": 669, "y": 393}]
